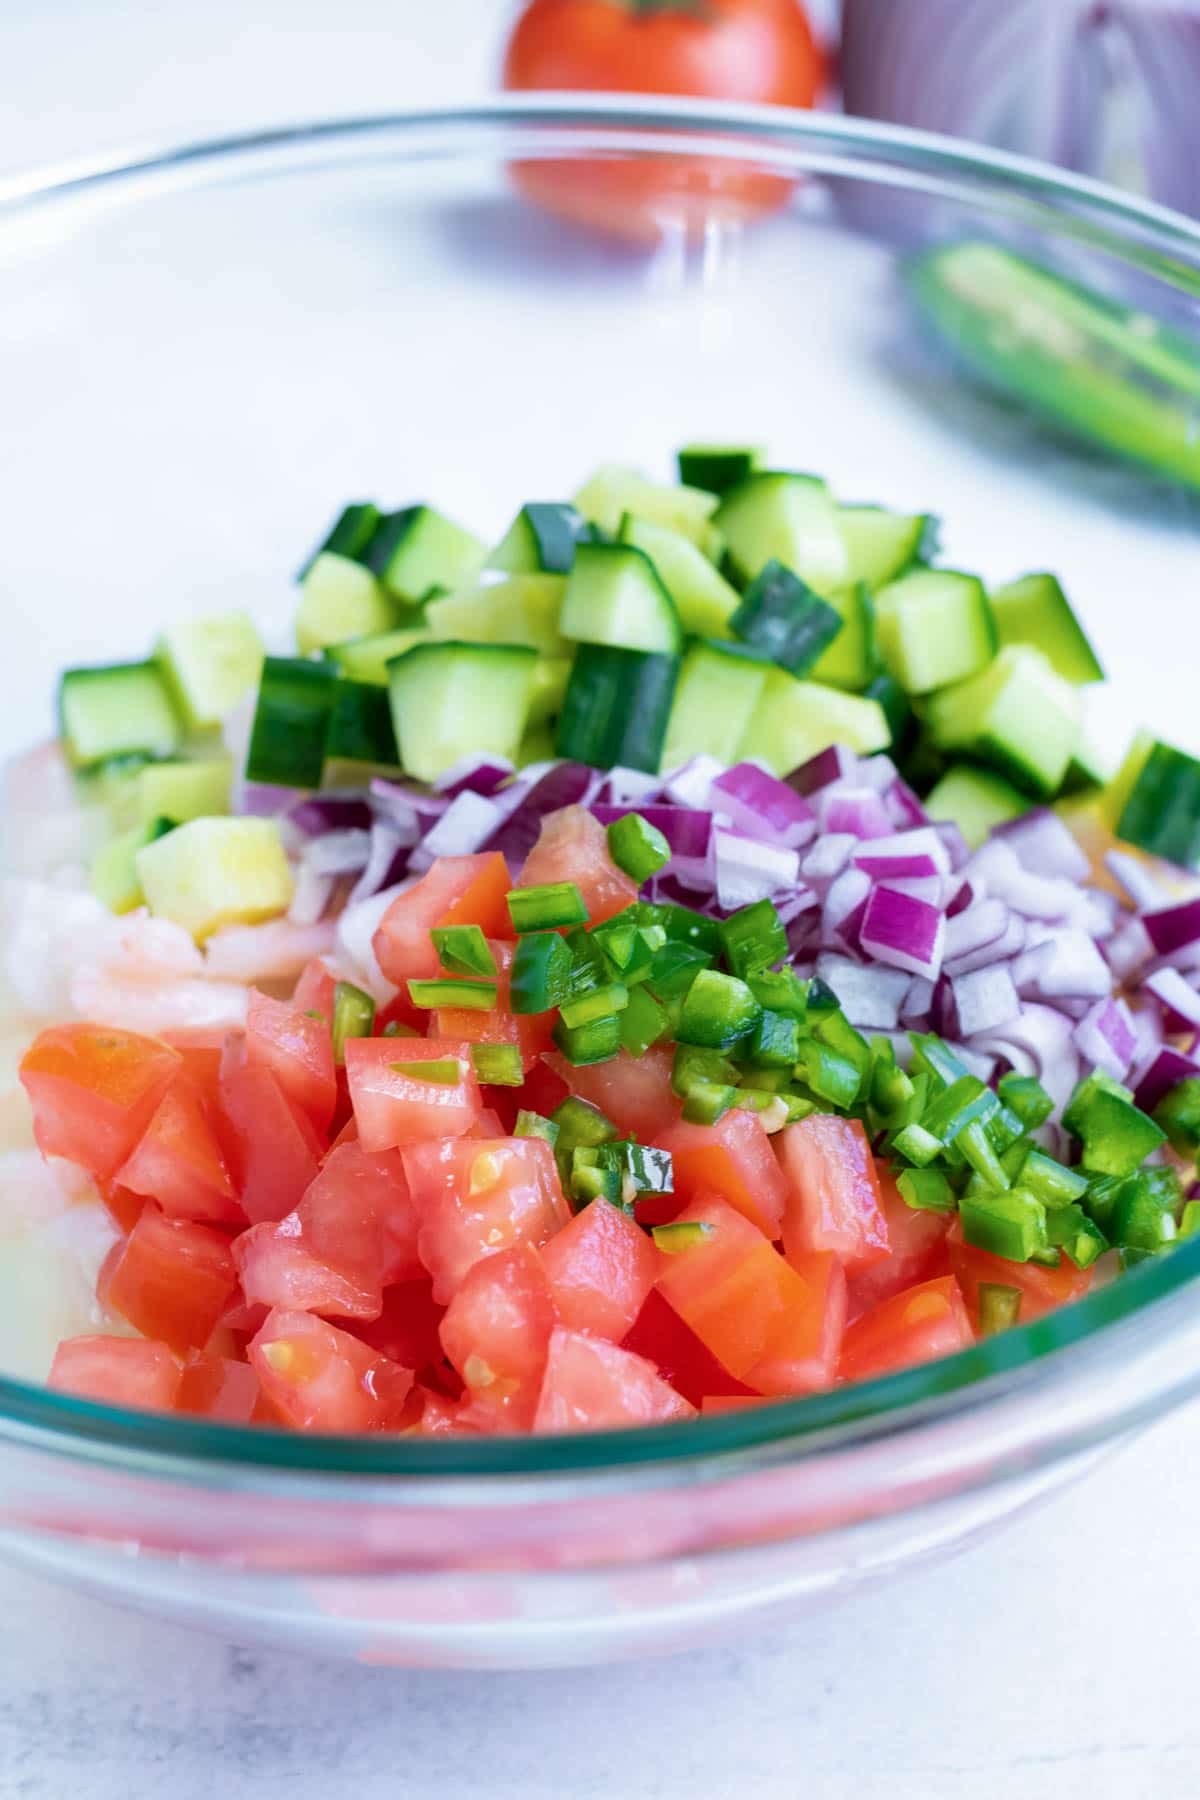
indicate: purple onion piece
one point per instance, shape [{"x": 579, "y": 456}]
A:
[
  {"x": 478, "y": 774},
  {"x": 690, "y": 784},
  {"x": 763, "y": 806},
  {"x": 1105, "y": 1037},
  {"x": 903, "y": 932},
  {"x": 563, "y": 784},
  {"x": 1166, "y": 1069},
  {"x": 1176, "y": 996},
  {"x": 835, "y": 764},
  {"x": 629, "y": 787},
  {"x": 387, "y": 862},
  {"x": 984, "y": 999},
  {"x": 1143, "y": 890},
  {"x": 870, "y": 996},
  {"x": 1067, "y": 966},
  {"x": 857, "y": 810},
  {"x": 1174, "y": 927},
  {"x": 688, "y": 832},
  {"x": 1045, "y": 846},
  {"x": 747, "y": 870}
]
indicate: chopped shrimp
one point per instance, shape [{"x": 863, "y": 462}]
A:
[{"x": 276, "y": 951}]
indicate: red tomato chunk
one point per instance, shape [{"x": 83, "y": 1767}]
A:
[
  {"x": 475, "y": 1197},
  {"x": 732, "y": 1158},
  {"x": 321, "y": 1379},
  {"x": 496, "y": 1333},
  {"x": 94, "y": 1091},
  {"x": 923, "y": 1322},
  {"x": 593, "y": 1386},
  {"x": 833, "y": 1200},
  {"x": 395, "y": 1105},
  {"x": 601, "y": 1268},
  {"x": 457, "y": 890},
  {"x": 119, "y": 1371}
]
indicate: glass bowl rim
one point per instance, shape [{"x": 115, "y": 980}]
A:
[{"x": 191, "y": 1449}]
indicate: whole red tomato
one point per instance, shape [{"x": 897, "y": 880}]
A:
[{"x": 746, "y": 50}]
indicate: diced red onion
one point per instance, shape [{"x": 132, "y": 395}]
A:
[
  {"x": 957, "y": 848},
  {"x": 355, "y": 933},
  {"x": 477, "y": 774},
  {"x": 827, "y": 858},
  {"x": 688, "y": 832},
  {"x": 979, "y": 926},
  {"x": 791, "y": 906},
  {"x": 1128, "y": 950},
  {"x": 845, "y": 908},
  {"x": 857, "y": 810},
  {"x": 467, "y": 824},
  {"x": 311, "y": 895},
  {"x": 876, "y": 772},
  {"x": 905, "y": 809},
  {"x": 1038, "y": 1042},
  {"x": 1105, "y": 1037},
  {"x": 835, "y": 764},
  {"x": 262, "y": 800},
  {"x": 961, "y": 897},
  {"x": 1044, "y": 845},
  {"x": 1033, "y": 896},
  {"x": 387, "y": 862},
  {"x": 763, "y": 806},
  {"x": 1010, "y": 943},
  {"x": 319, "y": 815},
  {"x": 984, "y": 999},
  {"x": 1099, "y": 913},
  {"x": 689, "y": 784},
  {"x": 1148, "y": 1025},
  {"x": 562, "y": 784},
  {"x": 1173, "y": 927},
  {"x": 977, "y": 1062},
  {"x": 1178, "y": 998},
  {"x": 1068, "y": 966},
  {"x": 1167, "y": 1068},
  {"x": 905, "y": 856},
  {"x": 931, "y": 888},
  {"x": 406, "y": 806},
  {"x": 747, "y": 870},
  {"x": 869, "y": 996},
  {"x": 338, "y": 852},
  {"x": 905, "y": 933},
  {"x": 917, "y": 1004},
  {"x": 1140, "y": 885},
  {"x": 629, "y": 787}
]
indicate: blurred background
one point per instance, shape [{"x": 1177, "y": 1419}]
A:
[{"x": 1106, "y": 87}]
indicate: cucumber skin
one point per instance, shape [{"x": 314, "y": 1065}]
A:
[{"x": 616, "y": 707}]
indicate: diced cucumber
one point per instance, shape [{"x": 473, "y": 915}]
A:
[
  {"x": 349, "y": 535},
  {"x": 540, "y": 540},
  {"x": 296, "y": 699},
  {"x": 340, "y": 599},
  {"x": 367, "y": 658},
  {"x": 451, "y": 700},
  {"x": 617, "y": 706},
  {"x": 1162, "y": 812},
  {"x": 975, "y": 800},
  {"x": 114, "y": 877},
  {"x": 718, "y": 467},
  {"x": 525, "y": 609},
  {"x": 419, "y": 548},
  {"x": 550, "y": 678},
  {"x": 215, "y": 872},
  {"x": 780, "y": 616},
  {"x": 1090, "y": 765},
  {"x": 720, "y": 685},
  {"x": 184, "y": 790},
  {"x": 897, "y": 708},
  {"x": 1112, "y": 374},
  {"x": 704, "y": 600},
  {"x": 1018, "y": 714},
  {"x": 774, "y": 517},
  {"x": 123, "y": 709},
  {"x": 934, "y": 626},
  {"x": 210, "y": 664},
  {"x": 884, "y": 545},
  {"x": 796, "y": 720},
  {"x": 615, "y": 597},
  {"x": 612, "y": 492},
  {"x": 360, "y": 727},
  {"x": 851, "y": 660},
  {"x": 1034, "y": 610}
]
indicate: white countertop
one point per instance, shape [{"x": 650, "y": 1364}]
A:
[{"x": 1054, "y": 1661}]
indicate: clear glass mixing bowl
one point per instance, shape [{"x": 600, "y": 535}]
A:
[{"x": 203, "y": 353}]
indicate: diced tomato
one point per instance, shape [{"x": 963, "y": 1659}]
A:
[
  {"x": 321, "y": 1379},
  {"x": 298, "y": 1051},
  {"x": 573, "y": 846},
  {"x": 407, "y": 1330},
  {"x": 457, "y": 890},
  {"x": 123, "y": 1207},
  {"x": 776, "y": 1328},
  {"x": 273, "y": 1149},
  {"x": 402, "y": 1016},
  {"x": 171, "y": 1278},
  {"x": 487, "y": 1125},
  {"x": 475, "y": 1198},
  {"x": 590, "y": 1385},
  {"x": 119, "y": 1371},
  {"x": 732, "y": 1158},
  {"x": 354, "y": 1231},
  {"x": 922, "y": 1323},
  {"x": 93, "y": 1091},
  {"x": 544, "y": 1090},
  {"x": 219, "y": 1388},
  {"x": 1041, "y": 1289},
  {"x": 179, "y": 1162},
  {"x": 394, "y": 1108},
  {"x": 532, "y": 1033},
  {"x": 315, "y": 989},
  {"x": 442, "y": 1417},
  {"x": 712, "y": 1404},
  {"x": 916, "y": 1238},
  {"x": 663, "y": 1338},
  {"x": 601, "y": 1267},
  {"x": 833, "y": 1200},
  {"x": 496, "y": 1332},
  {"x": 633, "y": 1091}
]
